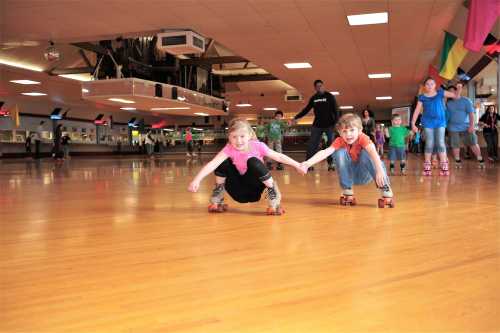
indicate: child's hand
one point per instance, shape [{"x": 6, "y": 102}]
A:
[
  {"x": 194, "y": 186},
  {"x": 414, "y": 128},
  {"x": 304, "y": 167},
  {"x": 380, "y": 178}
]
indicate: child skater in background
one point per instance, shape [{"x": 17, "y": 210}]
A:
[
  {"x": 240, "y": 170},
  {"x": 379, "y": 140},
  {"x": 357, "y": 161},
  {"x": 431, "y": 105},
  {"x": 397, "y": 135}
]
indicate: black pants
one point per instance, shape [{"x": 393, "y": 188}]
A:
[
  {"x": 247, "y": 187},
  {"x": 491, "y": 139},
  {"x": 314, "y": 140},
  {"x": 37, "y": 148}
]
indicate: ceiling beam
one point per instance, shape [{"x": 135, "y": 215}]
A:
[
  {"x": 84, "y": 56},
  {"x": 91, "y": 47},
  {"x": 213, "y": 60},
  {"x": 245, "y": 78},
  {"x": 76, "y": 70}
]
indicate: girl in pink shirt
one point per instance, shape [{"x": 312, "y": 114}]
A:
[{"x": 240, "y": 170}]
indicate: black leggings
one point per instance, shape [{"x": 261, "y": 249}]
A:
[
  {"x": 247, "y": 187},
  {"x": 491, "y": 139}
]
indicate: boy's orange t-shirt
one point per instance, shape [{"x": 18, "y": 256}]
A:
[{"x": 355, "y": 149}]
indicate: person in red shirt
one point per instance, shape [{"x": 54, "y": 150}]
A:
[{"x": 357, "y": 161}]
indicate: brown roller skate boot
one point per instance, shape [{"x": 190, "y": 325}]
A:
[{"x": 274, "y": 200}]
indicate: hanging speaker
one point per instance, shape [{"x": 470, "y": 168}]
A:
[
  {"x": 207, "y": 120},
  {"x": 158, "y": 90},
  {"x": 174, "y": 93}
]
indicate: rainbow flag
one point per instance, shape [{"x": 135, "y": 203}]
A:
[{"x": 451, "y": 56}]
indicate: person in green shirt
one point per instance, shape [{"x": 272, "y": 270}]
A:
[
  {"x": 275, "y": 130},
  {"x": 260, "y": 131},
  {"x": 397, "y": 135}
]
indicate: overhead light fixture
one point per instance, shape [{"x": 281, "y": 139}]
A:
[
  {"x": 380, "y": 76},
  {"x": 243, "y": 105},
  {"x": 181, "y": 98},
  {"x": 383, "y": 97},
  {"x": 201, "y": 114},
  {"x": 24, "y": 82},
  {"x": 365, "y": 19},
  {"x": 270, "y": 109},
  {"x": 20, "y": 65},
  {"x": 168, "y": 129},
  {"x": 121, "y": 100},
  {"x": 85, "y": 90},
  {"x": 347, "y": 107},
  {"x": 128, "y": 109},
  {"x": 334, "y": 93},
  {"x": 34, "y": 94},
  {"x": 77, "y": 77},
  {"x": 296, "y": 65},
  {"x": 173, "y": 108}
]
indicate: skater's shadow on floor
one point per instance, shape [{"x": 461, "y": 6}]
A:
[{"x": 319, "y": 202}]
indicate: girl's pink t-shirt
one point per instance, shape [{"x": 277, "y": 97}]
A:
[
  {"x": 189, "y": 137},
  {"x": 256, "y": 149}
]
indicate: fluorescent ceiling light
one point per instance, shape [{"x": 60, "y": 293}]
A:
[
  {"x": 128, "y": 109},
  {"x": 295, "y": 65},
  {"x": 121, "y": 100},
  {"x": 77, "y": 77},
  {"x": 383, "y": 97},
  {"x": 270, "y": 109},
  {"x": 380, "y": 76},
  {"x": 334, "y": 93},
  {"x": 34, "y": 94},
  {"x": 24, "y": 82},
  {"x": 176, "y": 108},
  {"x": 365, "y": 19},
  {"x": 243, "y": 105},
  {"x": 168, "y": 129},
  {"x": 201, "y": 114},
  {"x": 85, "y": 90},
  {"x": 181, "y": 98},
  {"x": 347, "y": 107},
  {"x": 20, "y": 65}
]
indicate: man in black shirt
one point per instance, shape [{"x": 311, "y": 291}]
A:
[{"x": 325, "y": 117}]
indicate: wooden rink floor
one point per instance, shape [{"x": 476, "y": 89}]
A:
[{"x": 119, "y": 245}]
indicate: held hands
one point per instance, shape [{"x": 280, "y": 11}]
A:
[
  {"x": 303, "y": 167},
  {"x": 414, "y": 128},
  {"x": 194, "y": 186},
  {"x": 470, "y": 129}
]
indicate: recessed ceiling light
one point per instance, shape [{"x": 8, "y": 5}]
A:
[
  {"x": 383, "y": 97},
  {"x": 34, "y": 94},
  {"x": 181, "y": 98},
  {"x": 380, "y": 76},
  {"x": 347, "y": 107},
  {"x": 295, "y": 65},
  {"x": 334, "y": 93},
  {"x": 365, "y": 19},
  {"x": 128, "y": 109},
  {"x": 173, "y": 108},
  {"x": 121, "y": 100},
  {"x": 77, "y": 77},
  {"x": 270, "y": 109},
  {"x": 85, "y": 90},
  {"x": 201, "y": 114},
  {"x": 20, "y": 65},
  {"x": 25, "y": 82},
  {"x": 243, "y": 105}
]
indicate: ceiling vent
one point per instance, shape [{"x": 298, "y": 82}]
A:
[{"x": 180, "y": 42}]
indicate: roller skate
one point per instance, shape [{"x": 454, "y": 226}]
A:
[
  {"x": 217, "y": 204},
  {"x": 444, "y": 169},
  {"x": 269, "y": 165},
  {"x": 347, "y": 198},
  {"x": 280, "y": 167},
  {"x": 427, "y": 169},
  {"x": 392, "y": 171},
  {"x": 274, "y": 200},
  {"x": 458, "y": 164},
  {"x": 482, "y": 165},
  {"x": 331, "y": 167},
  {"x": 403, "y": 171},
  {"x": 387, "y": 197}
]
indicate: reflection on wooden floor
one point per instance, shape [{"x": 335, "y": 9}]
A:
[{"x": 119, "y": 245}]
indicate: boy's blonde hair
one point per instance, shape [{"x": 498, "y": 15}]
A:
[
  {"x": 349, "y": 120},
  {"x": 239, "y": 123}
]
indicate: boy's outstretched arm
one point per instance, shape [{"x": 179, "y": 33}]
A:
[
  {"x": 379, "y": 171},
  {"x": 206, "y": 170},
  {"x": 319, "y": 156}
]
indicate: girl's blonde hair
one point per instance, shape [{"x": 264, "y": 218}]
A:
[
  {"x": 239, "y": 123},
  {"x": 349, "y": 120}
]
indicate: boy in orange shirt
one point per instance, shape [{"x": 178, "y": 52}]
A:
[{"x": 357, "y": 161}]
